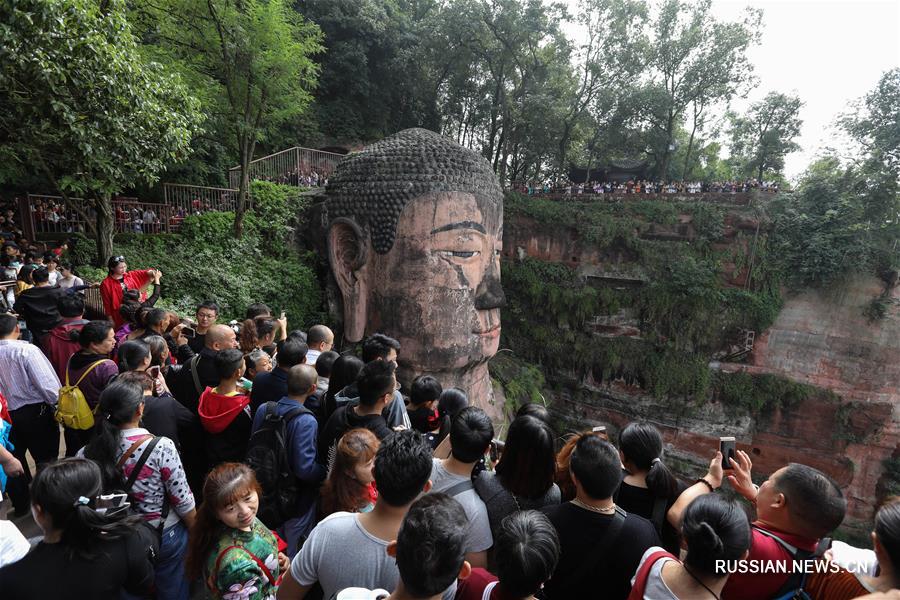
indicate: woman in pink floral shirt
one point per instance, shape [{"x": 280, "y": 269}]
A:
[{"x": 159, "y": 490}]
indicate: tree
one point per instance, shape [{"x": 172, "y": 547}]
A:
[
  {"x": 694, "y": 59},
  {"x": 876, "y": 123},
  {"x": 82, "y": 107},
  {"x": 610, "y": 57},
  {"x": 250, "y": 59},
  {"x": 765, "y": 135}
]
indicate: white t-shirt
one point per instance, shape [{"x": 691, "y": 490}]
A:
[
  {"x": 13, "y": 545},
  {"x": 340, "y": 553}
]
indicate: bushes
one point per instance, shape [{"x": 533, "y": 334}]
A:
[{"x": 203, "y": 261}]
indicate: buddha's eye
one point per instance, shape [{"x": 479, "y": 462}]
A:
[{"x": 464, "y": 254}]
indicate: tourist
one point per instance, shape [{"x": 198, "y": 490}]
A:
[
  {"x": 344, "y": 372},
  {"x": 376, "y": 385},
  {"x": 88, "y": 551},
  {"x": 523, "y": 479},
  {"x": 649, "y": 489},
  {"x": 159, "y": 491},
  {"x": 350, "y": 549},
  {"x": 350, "y": 486},
  {"x": 381, "y": 347},
  {"x": 324, "y": 365},
  {"x": 526, "y": 550},
  {"x": 301, "y": 431},
  {"x": 862, "y": 571},
  {"x": 207, "y": 313},
  {"x": 31, "y": 387},
  {"x": 714, "y": 530},
  {"x": 272, "y": 386},
  {"x": 536, "y": 410},
  {"x": 225, "y": 411},
  {"x": 320, "y": 339},
  {"x": 470, "y": 438},
  {"x": 38, "y": 305},
  {"x": 258, "y": 334},
  {"x": 13, "y": 545},
  {"x": 429, "y": 549},
  {"x": 90, "y": 370},
  {"x": 256, "y": 362},
  {"x": 601, "y": 545},
  {"x": 51, "y": 261},
  {"x": 563, "y": 457},
  {"x": 68, "y": 279},
  {"x": 795, "y": 506},
  {"x": 230, "y": 549},
  {"x": 200, "y": 372},
  {"x": 163, "y": 415},
  {"x": 62, "y": 341},
  {"x": 422, "y": 409},
  {"x": 452, "y": 401},
  {"x": 120, "y": 279}
]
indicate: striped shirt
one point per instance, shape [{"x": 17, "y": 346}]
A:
[{"x": 26, "y": 376}]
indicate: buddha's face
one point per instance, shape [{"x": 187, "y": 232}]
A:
[{"x": 438, "y": 288}]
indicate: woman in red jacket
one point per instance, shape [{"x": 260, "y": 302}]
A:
[{"x": 120, "y": 279}]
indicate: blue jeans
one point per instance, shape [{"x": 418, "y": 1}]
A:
[{"x": 170, "y": 580}]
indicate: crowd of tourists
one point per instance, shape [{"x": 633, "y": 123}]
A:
[
  {"x": 643, "y": 186},
  {"x": 254, "y": 461},
  {"x": 298, "y": 176}
]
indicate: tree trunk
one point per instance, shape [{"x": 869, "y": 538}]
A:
[
  {"x": 105, "y": 222},
  {"x": 759, "y": 176},
  {"x": 687, "y": 155},
  {"x": 667, "y": 154},
  {"x": 243, "y": 192}
]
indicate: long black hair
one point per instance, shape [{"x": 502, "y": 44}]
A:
[
  {"x": 641, "y": 444},
  {"x": 887, "y": 528},
  {"x": 714, "y": 529},
  {"x": 118, "y": 404},
  {"x": 452, "y": 401},
  {"x": 131, "y": 354},
  {"x": 343, "y": 372},
  {"x": 528, "y": 464},
  {"x": 66, "y": 492}
]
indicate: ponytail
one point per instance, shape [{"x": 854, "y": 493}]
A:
[
  {"x": 451, "y": 401},
  {"x": 118, "y": 404},
  {"x": 641, "y": 444},
  {"x": 131, "y": 354},
  {"x": 66, "y": 491},
  {"x": 253, "y": 329}
]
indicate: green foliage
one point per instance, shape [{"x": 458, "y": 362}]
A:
[
  {"x": 82, "y": 106},
  {"x": 202, "y": 262},
  {"x": 521, "y": 382},
  {"x": 759, "y": 394},
  {"x": 765, "y": 135},
  {"x": 841, "y": 220}
]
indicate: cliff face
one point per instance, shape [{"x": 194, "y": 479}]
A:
[{"x": 848, "y": 427}]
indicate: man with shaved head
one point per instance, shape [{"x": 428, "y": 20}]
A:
[
  {"x": 320, "y": 339},
  {"x": 301, "y": 432}
]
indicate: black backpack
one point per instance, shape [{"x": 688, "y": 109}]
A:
[{"x": 267, "y": 455}]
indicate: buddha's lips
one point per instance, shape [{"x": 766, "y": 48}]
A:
[{"x": 492, "y": 332}]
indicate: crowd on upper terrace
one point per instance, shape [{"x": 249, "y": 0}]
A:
[
  {"x": 643, "y": 186},
  {"x": 251, "y": 461}
]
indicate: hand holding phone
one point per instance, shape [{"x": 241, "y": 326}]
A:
[{"x": 189, "y": 332}]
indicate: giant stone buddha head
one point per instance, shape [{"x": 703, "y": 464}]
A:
[{"x": 414, "y": 237}]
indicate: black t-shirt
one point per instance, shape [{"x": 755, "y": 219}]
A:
[
  {"x": 580, "y": 531},
  {"x": 165, "y": 416},
  {"x": 46, "y": 573},
  {"x": 640, "y": 501},
  {"x": 344, "y": 419}
]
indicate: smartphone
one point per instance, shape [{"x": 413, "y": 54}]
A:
[
  {"x": 727, "y": 448},
  {"x": 153, "y": 371},
  {"x": 283, "y": 315},
  {"x": 111, "y": 503},
  {"x": 189, "y": 332}
]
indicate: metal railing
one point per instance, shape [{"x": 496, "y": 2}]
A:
[
  {"x": 196, "y": 199},
  {"x": 294, "y": 166}
]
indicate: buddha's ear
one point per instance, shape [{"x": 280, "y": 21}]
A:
[{"x": 347, "y": 254}]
